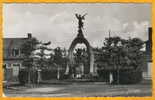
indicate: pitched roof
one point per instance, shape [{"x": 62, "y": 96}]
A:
[{"x": 13, "y": 42}]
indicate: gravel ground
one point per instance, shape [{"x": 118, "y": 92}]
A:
[{"x": 85, "y": 89}]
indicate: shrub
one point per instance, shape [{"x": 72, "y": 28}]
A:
[
  {"x": 130, "y": 76},
  {"x": 64, "y": 76},
  {"x": 125, "y": 76},
  {"x": 103, "y": 75},
  {"x": 23, "y": 77},
  {"x": 48, "y": 74}
]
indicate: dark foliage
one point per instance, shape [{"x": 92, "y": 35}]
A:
[
  {"x": 130, "y": 77},
  {"x": 125, "y": 76},
  {"x": 51, "y": 74},
  {"x": 123, "y": 57},
  {"x": 23, "y": 76}
]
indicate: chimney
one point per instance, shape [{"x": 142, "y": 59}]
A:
[{"x": 29, "y": 35}]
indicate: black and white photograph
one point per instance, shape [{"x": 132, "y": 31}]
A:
[{"x": 77, "y": 50}]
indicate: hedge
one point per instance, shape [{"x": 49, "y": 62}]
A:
[
  {"x": 125, "y": 76},
  {"x": 130, "y": 76},
  {"x": 51, "y": 74},
  {"x": 23, "y": 76}
]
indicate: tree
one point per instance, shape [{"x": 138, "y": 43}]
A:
[
  {"x": 28, "y": 48},
  {"x": 119, "y": 53},
  {"x": 134, "y": 53},
  {"x": 59, "y": 59},
  {"x": 42, "y": 59}
]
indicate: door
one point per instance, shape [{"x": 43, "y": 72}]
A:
[{"x": 15, "y": 71}]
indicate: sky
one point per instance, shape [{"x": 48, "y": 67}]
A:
[{"x": 57, "y": 22}]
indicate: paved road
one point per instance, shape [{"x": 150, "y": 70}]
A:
[{"x": 80, "y": 90}]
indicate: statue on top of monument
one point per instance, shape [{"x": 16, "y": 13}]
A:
[{"x": 80, "y": 22}]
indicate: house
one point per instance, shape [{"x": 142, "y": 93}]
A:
[{"x": 12, "y": 57}]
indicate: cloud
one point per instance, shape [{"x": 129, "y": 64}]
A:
[
  {"x": 141, "y": 30},
  {"x": 60, "y": 25}
]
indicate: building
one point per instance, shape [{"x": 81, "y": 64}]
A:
[
  {"x": 12, "y": 57},
  {"x": 148, "y": 52}
]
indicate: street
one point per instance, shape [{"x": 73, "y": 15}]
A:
[{"x": 84, "y": 89}]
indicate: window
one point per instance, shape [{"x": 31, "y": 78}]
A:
[
  {"x": 15, "y": 68},
  {"x": 5, "y": 65},
  {"x": 15, "y": 52}
]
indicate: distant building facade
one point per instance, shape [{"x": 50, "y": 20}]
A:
[
  {"x": 12, "y": 57},
  {"x": 148, "y": 52}
]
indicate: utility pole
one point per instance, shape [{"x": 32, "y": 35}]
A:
[{"x": 109, "y": 33}]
